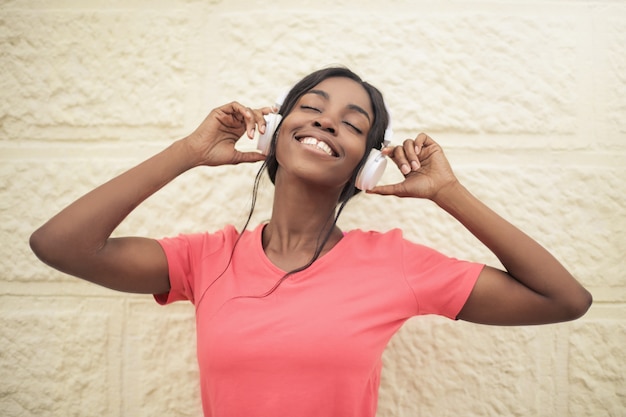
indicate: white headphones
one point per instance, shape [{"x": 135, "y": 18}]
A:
[{"x": 370, "y": 173}]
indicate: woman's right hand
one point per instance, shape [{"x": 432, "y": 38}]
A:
[{"x": 213, "y": 142}]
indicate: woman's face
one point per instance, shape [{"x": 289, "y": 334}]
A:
[{"x": 323, "y": 138}]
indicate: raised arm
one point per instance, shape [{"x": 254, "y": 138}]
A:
[
  {"x": 77, "y": 240},
  {"x": 534, "y": 289}
]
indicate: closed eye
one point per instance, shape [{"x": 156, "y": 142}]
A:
[
  {"x": 353, "y": 127},
  {"x": 317, "y": 110}
]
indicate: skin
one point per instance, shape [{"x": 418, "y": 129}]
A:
[
  {"x": 534, "y": 288},
  {"x": 308, "y": 183}
]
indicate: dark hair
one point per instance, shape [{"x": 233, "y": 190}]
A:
[{"x": 374, "y": 137}]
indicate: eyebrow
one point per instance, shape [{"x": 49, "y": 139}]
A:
[{"x": 354, "y": 107}]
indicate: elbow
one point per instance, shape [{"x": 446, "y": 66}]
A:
[
  {"x": 578, "y": 305},
  {"x": 39, "y": 245},
  {"x": 46, "y": 246},
  {"x": 587, "y": 300},
  {"x": 63, "y": 251}
]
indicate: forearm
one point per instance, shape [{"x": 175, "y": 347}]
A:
[
  {"x": 523, "y": 258},
  {"x": 81, "y": 230}
]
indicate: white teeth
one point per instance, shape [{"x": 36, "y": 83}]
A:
[{"x": 317, "y": 143}]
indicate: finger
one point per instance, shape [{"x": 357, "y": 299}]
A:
[
  {"x": 232, "y": 115},
  {"x": 422, "y": 141},
  {"x": 240, "y": 114},
  {"x": 247, "y": 157},
  {"x": 260, "y": 120},
  {"x": 255, "y": 118},
  {"x": 268, "y": 109},
  {"x": 398, "y": 190},
  {"x": 387, "y": 150},
  {"x": 398, "y": 156},
  {"x": 411, "y": 152},
  {"x": 250, "y": 121},
  {"x": 234, "y": 109}
]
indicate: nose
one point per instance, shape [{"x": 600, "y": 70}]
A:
[{"x": 325, "y": 123}]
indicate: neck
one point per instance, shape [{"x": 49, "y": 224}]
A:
[{"x": 302, "y": 216}]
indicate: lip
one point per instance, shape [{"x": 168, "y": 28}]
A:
[{"x": 322, "y": 138}]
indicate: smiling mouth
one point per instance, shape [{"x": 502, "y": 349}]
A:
[{"x": 318, "y": 144}]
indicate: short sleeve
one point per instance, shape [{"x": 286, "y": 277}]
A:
[
  {"x": 441, "y": 284},
  {"x": 180, "y": 259},
  {"x": 187, "y": 261}
]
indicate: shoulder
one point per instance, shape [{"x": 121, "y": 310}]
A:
[
  {"x": 391, "y": 239},
  {"x": 205, "y": 242},
  {"x": 392, "y": 244},
  {"x": 374, "y": 235}
]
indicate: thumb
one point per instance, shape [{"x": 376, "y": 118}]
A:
[
  {"x": 397, "y": 189},
  {"x": 247, "y": 157}
]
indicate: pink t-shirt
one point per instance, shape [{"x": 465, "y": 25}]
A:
[{"x": 312, "y": 347}]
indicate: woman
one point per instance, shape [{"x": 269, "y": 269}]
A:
[{"x": 293, "y": 316}]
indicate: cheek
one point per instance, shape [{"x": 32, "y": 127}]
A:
[
  {"x": 359, "y": 151},
  {"x": 279, "y": 138},
  {"x": 280, "y": 145}
]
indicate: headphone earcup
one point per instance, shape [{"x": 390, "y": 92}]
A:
[
  {"x": 272, "y": 121},
  {"x": 372, "y": 171}
]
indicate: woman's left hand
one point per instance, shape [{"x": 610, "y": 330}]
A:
[{"x": 425, "y": 168}]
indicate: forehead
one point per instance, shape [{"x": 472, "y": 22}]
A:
[{"x": 347, "y": 91}]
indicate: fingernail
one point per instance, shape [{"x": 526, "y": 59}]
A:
[
  {"x": 262, "y": 129},
  {"x": 417, "y": 149},
  {"x": 405, "y": 169},
  {"x": 415, "y": 165}
]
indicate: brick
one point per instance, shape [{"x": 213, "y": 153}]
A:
[
  {"x": 610, "y": 36},
  {"x": 528, "y": 101},
  {"x": 160, "y": 361},
  {"x": 596, "y": 368},
  {"x": 57, "y": 358},
  {"x": 473, "y": 72},
  {"x": 437, "y": 367},
  {"x": 91, "y": 69}
]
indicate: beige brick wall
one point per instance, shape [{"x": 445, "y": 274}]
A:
[{"x": 527, "y": 98}]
